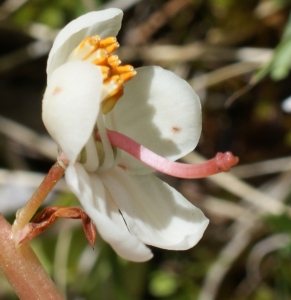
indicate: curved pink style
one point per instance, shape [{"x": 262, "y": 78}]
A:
[{"x": 222, "y": 162}]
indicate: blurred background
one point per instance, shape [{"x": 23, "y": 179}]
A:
[{"x": 237, "y": 57}]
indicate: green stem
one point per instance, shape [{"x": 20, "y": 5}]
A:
[{"x": 23, "y": 270}]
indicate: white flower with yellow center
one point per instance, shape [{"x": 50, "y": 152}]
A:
[{"x": 128, "y": 204}]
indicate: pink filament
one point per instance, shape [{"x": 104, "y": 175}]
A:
[{"x": 222, "y": 162}]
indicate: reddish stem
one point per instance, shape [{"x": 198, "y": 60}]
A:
[
  {"x": 221, "y": 163},
  {"x": 24, "y": 215},
  {"x": 23, "y": 270}
]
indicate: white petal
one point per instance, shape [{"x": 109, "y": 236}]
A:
[
  {"x": 160, "y": 111},
  {"x": 71, "y": 105},
  {"x": 156, "y": 213},
  {"x": 91, "y": 193},
  {"x": 103, "y": 23}
]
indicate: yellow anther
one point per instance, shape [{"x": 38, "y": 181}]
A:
[
  {"x": 91, "y": 41},
  {"x": 105, "y": 72},
  {"x": 108, "y": 104},
  {"x": 98, "y": 57},
  {"x": 100, "y": 61},
  {"x": 123, "y": 69},
  {"x": 127, "y": 76},
  {"x": 88, "y": 46},
  {"x": 111, "y": 48},
  {"x": 113, "y": 79},
  {"x": 112, "y": 86},
  {"x": 114, "y": 61},
  {"x": 107, "y": 41},
  {"x": 98, "y": 51}
]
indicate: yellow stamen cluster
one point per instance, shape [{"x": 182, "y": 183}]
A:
[{"x": 99, "y": 52}]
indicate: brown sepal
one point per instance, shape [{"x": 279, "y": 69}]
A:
[{"x": 49, "y": 215}]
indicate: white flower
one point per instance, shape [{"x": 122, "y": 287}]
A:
[{"x": 128, "y": 204}]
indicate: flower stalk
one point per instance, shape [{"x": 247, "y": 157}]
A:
[
  {"x": 24, "y": 214},
  {"x": 23, "y": 270}
]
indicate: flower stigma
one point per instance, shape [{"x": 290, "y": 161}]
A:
[{"x": 99, "y": 52}]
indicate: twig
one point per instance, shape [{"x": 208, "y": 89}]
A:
[
  {"x": 28, "y": 137},
  {"x": 239, "y": 188},
  {"x": 267, "y": 8},
  {"x": 224, "y": 261},
  {"x": 194, "y": 51},
  {"x": 32, "y": 51},
  {"x": 263, "y": 167},
  {"x": 259, "y": 251},
  {"x": 226, "y": 209},
  {"x": 222, "y": 74},
  {"x": 19, "y": 186},
  {"x": 27, "y": 179},
  {"x": 241, "y": 238},
  {"x": 122, "y": 4},
  {"x": 143, "y": 32},
  {"x": 41, "y": 32},
  {"x": 10, "y": 6}
]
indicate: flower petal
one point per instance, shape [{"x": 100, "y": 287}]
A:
[
  {"x": 71, "y": 105},
  {"x": 110, "y": 224},
  {"x": 160, "y": 111},
  {"x": 154, "y": 212},
  {"x": 103, "y": 23}
]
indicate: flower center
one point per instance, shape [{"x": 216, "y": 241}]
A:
[{"x": 99, "y": 52}]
